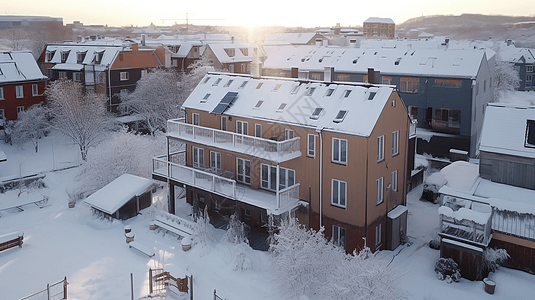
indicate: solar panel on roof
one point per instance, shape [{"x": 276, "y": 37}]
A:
[{"x": 224, "y": 103}]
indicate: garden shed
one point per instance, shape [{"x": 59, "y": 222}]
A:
[{"x": 123, "y": 198}]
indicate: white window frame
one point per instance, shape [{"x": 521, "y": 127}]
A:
[
  {"x": 395, "y": 143},
  {"x": 288, "y": 134},
  {"x": 224, "y": 123},
  {"x": 215, "y": 161},
  {"x": 268, "y": 178},
  {"x": 258, "y": 130},
  {"x": 380, "y": 148},
  {"x": 394, "y": 180},
  {"x": 379, "y": 198},
  {"x": 341, "y": 198},
  {"x": 2, "y": 114},
  {"x": 195, "y": 119},
  {"x": 35, "y": 90},
  {"x": 124, "y": 76},
  {"x": 2, "y": 93},
  {"x": 339, "y": 236},
  {"x": 19, "y": 91},
  {"x": 337, "y": 151},
  {"x": 242, "y": 127},
  {"x": 529, "y": 69},
  {"x": 311, "y": 145},
  {"x": 198, "y": 157},
  {"x": 378, "y": 235},
  {"x": 243, "y": 173},
  {"x": 77, "y": 76}
]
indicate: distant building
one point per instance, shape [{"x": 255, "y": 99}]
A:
[
  {"x": 33, "y": 22},
  {"x": 523, "y": 60},
  {"x": 379, "y": 28},
  {"x": 305, "y": 38},
  {"x": 22, "y": 83},
  {"x": 233, "y": 57}
]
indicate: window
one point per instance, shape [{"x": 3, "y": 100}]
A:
[
  {"x": 206, "y": 80},
  {"x": 101, "y": 78},
  {"x": 215, "y": 161},
  {"x": 340, "y": 116},
  {"x": 409, "y": 85},
  {"x": 98, "y": 57},
  {"x": 529, "y": 77},
  {"x": 64, "y": 55},
  {"x": 258, "y": 130},
  {"x": 379, "y": 196},
  {"x": 230, "y": 52},
  {"x": 381, "y": 148},
  {"x": 446, "y": 120},
  {"x": 288, "y": 134},
  {"x": 241, "y": 127},
  {"x": 378, "y": 235},
  {"x": 77, "y": 76},
  {"x": 223, "y": 123},
  {"x": 395, "y": 143},
  {"x": 295, "y": 89},
  {"x": 268, "y": 178},
  {"x": 124, "y": 92},
  {"x": 387, "y": 79},
  {"x": 20, "y": 91},
  {"x": 124, "y": 76},
  {"x": 316, "y": 113},
  {"x": 258, "y": 104},
  {"x": 413, "y": 111},
  {"x": 281, "y": 107},
  {"x": 245, "y": 51},
  {"x": 80, "y": 56},
  {"x": 371, "y": 95},
  {"x": 217, "y": 82},
  {"x": 198, "y": 157},
  {"x": 310, "y": 91},
  {"x": 484, "y": 86},
  {"x": 338, "y": 193},
  {"x": 311, "y": 151},
  {"x": 35, "y": 90},
  {"x": 259, "y": 85},
  {"x": 347, "y": 93},
  {"x": 339, "y": 236},
  {"x": 50, "y": 55},
  {"x": 2, "y": 115},
  {"x": 315, "y": 76},
  {"x": 277, "y": 87},
  {"x": 244, "y": 171},
  {"x": 203, "y": 100},
  {"x": 195, "y": 118},
  {"x": 339, "y": 151},
  {"x": 242, "y": 68},
  {"x": 530, "y": 134},
  {"x": 394, "y": 180},
  {"x": 62, "y": 74},
  {"x": 2, "y": 93},
  {"x": 243, "y": 84},
  {"x": 529, "y": 69},
  {"x": 329, "y": 92},
  {"x": 342, "y": 77},
  {"x": 228, "y": 83}
]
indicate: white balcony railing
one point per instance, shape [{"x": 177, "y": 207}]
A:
[
  {"x": 277, "y": 151},
  {"x": 287, "y": 198}
]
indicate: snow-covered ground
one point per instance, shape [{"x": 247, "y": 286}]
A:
[{"x": 93, "y": 255}]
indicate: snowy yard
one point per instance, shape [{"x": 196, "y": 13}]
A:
[{"x": 93, "y": 255}]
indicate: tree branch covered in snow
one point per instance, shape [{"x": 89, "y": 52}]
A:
[
  {"x": 506, "y": 79},
  {"x": 305, "y": 262},
  {"x": 31, "y": 125},
  {"x": 203, "y": 231},
  {"x": 80, "y": 116}
]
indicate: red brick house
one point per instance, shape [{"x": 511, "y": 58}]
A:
[{"x": 21, "y": 83}]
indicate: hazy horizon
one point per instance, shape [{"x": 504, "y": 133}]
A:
[{"x": 245, "y": 13}]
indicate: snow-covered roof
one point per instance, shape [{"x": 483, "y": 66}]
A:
[
  {"x": 118, "y": 192},
  {"x": 298, "y": 100},
  {"x": 451, "y": 63},
  {"x": 517, "y": 55},
  {"x": 461, "y": 175},
  {"x": 505, "y": 128},
  {"x": 17, "y": 66},
  {"x": 109, "y": 53},
  {"x": 221, "y": 51},
  {"x": 379, "y": 20},
  {"x": 292, "y": 38}
]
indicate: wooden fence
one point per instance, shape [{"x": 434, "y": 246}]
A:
[{"x": 159, "y": 280}]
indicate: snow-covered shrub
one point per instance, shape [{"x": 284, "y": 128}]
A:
[
  {"x": 434, "y": 244},
  {"x": 494, "y": 257},
  {"x": 241, "y": 257},
  {"x": 236, "y": 233},
  {"x": 447, "y": 269},
  {"x": 203, "y": 231},
  {"x": 31, "y": 125}
]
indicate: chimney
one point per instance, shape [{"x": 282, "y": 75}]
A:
[
  {"x": 256, "y": 67},
  {"x": 134, "y": 47},
  {"x": 371, "y": 75},
  {"x": 352, "y": 43},
  {"x": 509, "y": 42},
  {"x": 318, "y": 42},
  {"x": 447, "y": 40},
  {"x": 143, "y": 40},
  {"x": 232, "y": 39},
  {"x": 328, "y": 73},
  {"x": 294, "y": 73},
  {"x": 325, "y": 42}
]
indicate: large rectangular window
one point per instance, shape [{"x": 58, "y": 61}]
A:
[
  {"x": 311, "y": 149},
  {"x": 215, "y": 161},
  {"x": 258, "y": 130},
  {"x": 35, "y": 90},
  {"x": 288, "y": 134},
  {"x": 268, "y": 178},
  {"x": 408, "y": 85},
  {"x": 339, "y": 236},
  {"x": 198, "y": 157},
  {"x": 223, "y": 123},
  {"x": 381, "y": 148},
  {"x": 379, "y": 193},
  {"x": 394, "y": 180},
  {"x": 2, "y": 93},
  {"x": 243, "y": 171},
  {"x": 20, "y": 91},
  {"x": 241, "y": 127},
  {"x": 446, "y": 120},
  {"x": 195, "y": 119},
  {"x": 395, "y": 143},
  {"x": 339, "y": 151},
  {"x": 378, "y": 234},
  {"x": 338, "y": 193}
]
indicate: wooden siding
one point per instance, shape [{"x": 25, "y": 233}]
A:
[
  {"x": 521, "y": 252},
  {"x": 507, "y": 169}
]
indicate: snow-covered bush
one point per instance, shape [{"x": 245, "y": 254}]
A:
[
  {"x": 447, "y": 269},
  {"x": 236, "y": 233},
  {"x": 123, "y": 152},
  {"x": 494, "y": 257},
  {"x": 203, "y": 232},
  {"x": 434, "y": 244},
  {"x": 31, "y": 125}
]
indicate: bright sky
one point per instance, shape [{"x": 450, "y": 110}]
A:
[{"x": 311, "y": 13}]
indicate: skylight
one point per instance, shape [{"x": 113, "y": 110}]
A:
[
  {"x": 203, "y": 100},
  {"x": 281, "y": 107},
  {"x": 259, "y": 103},
  {"x": 372, "y": 95},
  {"x": 206, "y": 80},
  {"x": 294, "y": 89},
  {"x": 346, "y": 93},
  {"x": 277, "y": 87},
  {"x": 217, "y": 82},
  {"x": 340, "y": 116},
  {"x": 310, "y": 91},
  {"x": 329, "y": 92},
  {"x": 316, "y": 113},
  {"x": 259, "y": 85},
  {"x": 243, "y": 84},
  {"x": 229, "y": 83}
]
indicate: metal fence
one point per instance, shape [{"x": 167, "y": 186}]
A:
[{"x": 55, "y": 291}]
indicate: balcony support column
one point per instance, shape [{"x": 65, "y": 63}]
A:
[{"x": 277, "y": 181}]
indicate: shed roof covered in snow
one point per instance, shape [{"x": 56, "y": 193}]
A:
[
  {"x": 118, "y": 192},
  {"x": 509, "y": 129},
  {"x": 18, "y": 66}
]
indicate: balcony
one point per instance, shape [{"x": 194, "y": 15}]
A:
[
  {"x": 274, "y": 151},
  {"x": 174, "y": 169},
  {"x": 465, "y": 224}
]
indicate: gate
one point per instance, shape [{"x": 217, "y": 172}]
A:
[{"x": 159, "y": 280}]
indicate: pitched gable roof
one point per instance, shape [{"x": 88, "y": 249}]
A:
[{"x": 17, "y": 66}]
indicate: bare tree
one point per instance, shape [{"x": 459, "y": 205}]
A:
[
  {"x": 31, "y": 125},
  {"x": 79, "y": 115},
  {"x": 506, "y": 78},
  {"x": 17, "y": 39},
  {"x": 157, "y": 98}
]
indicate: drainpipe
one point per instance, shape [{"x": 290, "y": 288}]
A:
[
  {"x": 277, "y": 188},
  {"x": 318, "y": 130},
  {"x": 366, "y": 197}
]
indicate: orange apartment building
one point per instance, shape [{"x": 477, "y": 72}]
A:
[
  {"x": 332, "y": 154},
  {"x": 379, "y": 28}
]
